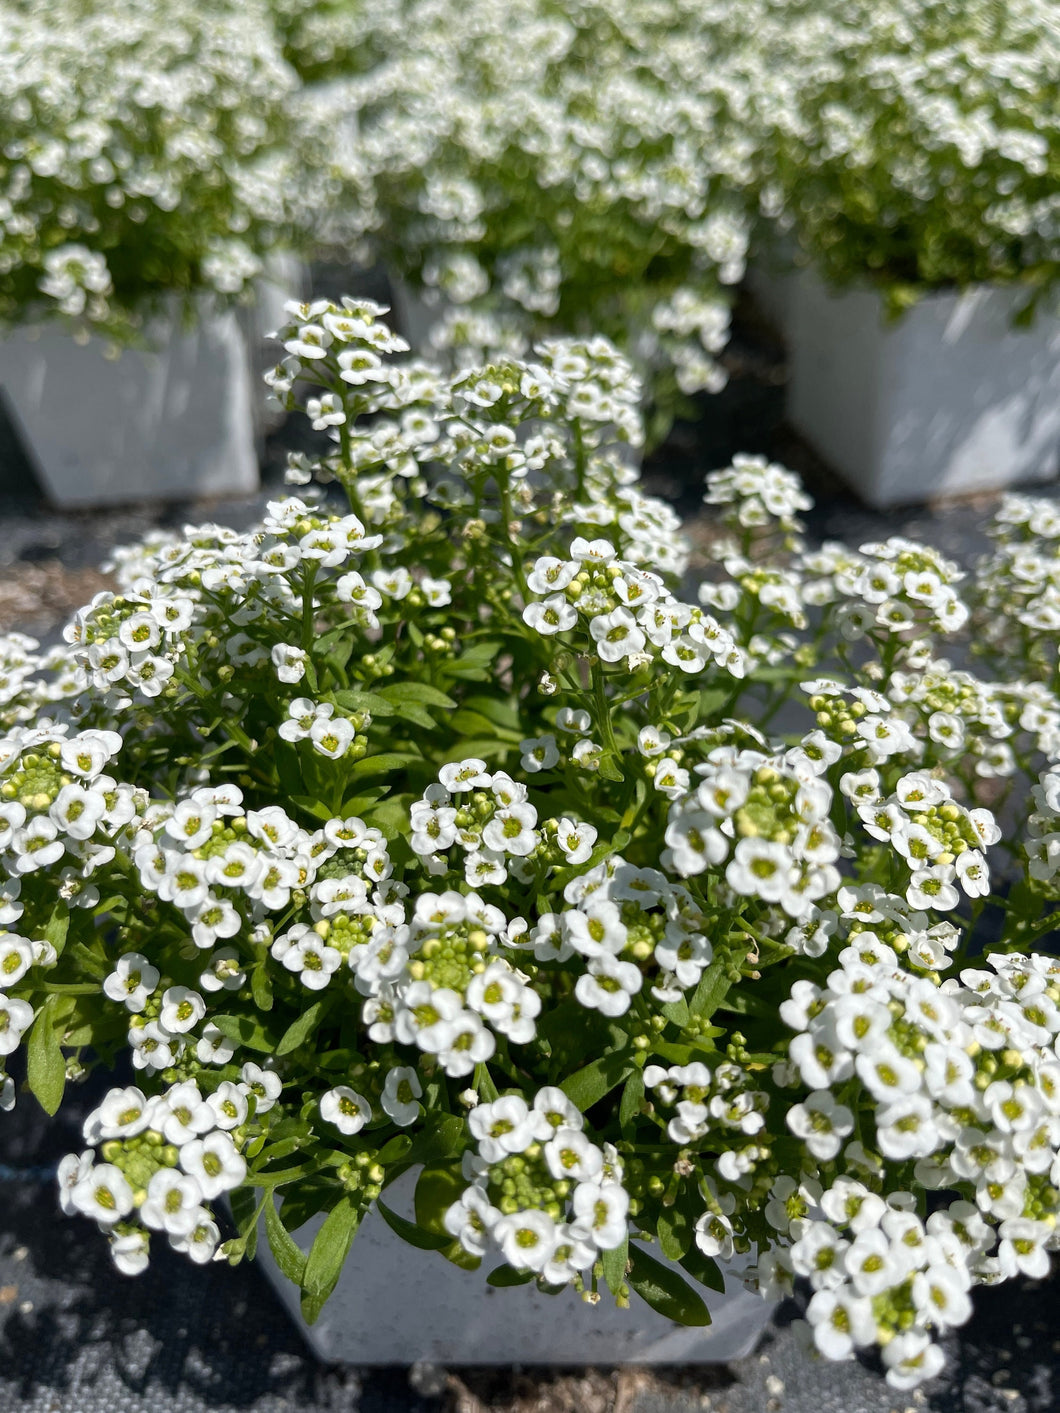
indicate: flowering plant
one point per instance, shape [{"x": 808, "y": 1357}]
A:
[
  {"x": 444, "y": 831},
  {"x": 915, "y": 145},
  {"x": 146, "y": 149},
  {"x": 596, "y": 185}
]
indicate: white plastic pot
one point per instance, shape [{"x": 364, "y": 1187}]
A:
[
  {"x": 174, "y": 420},
  {"x": 284, "y": 278},
  {"x": 398, "y": 1305},
  {"x": 417, "y": 313},
  {"x": 950, "y": 400}
]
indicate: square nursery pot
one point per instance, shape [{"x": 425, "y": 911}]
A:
[
  {"x": 948, "y": 401},
  {"x": 172, "y": 420},
  {"x": 396, "y": 1305}
]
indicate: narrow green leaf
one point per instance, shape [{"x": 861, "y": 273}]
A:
[
  {"x": 502, "y": 1276},
  {"x": 703, "y": 1269},
  {"x": 484, "y": 1086},
  {"x": 410, "y": 1232},
  {"x": 437, "y": 1189},
  {"x": 614, "y": 1263},
  {"x": 90, "y": 962},
  {"x": 588, "y": 1086},
  {"x": 712, "y": 989},
  {"x": 383, "y": 763},
  {"x": 326, "y": 1256},
  {"x": 401, "y": 693},
  {"x": 244, "y": 1204},
  {"x": 632, "y": 1098},
  {"x": 390, "y": 816},
  {"x": 466, "y": 722},
  {"x": 57, "y": 927},
  {"x": 676, "y": 1011},
  {"x": 504, "y": 714},
  {"x": 415, "y": 712},
  {"x": 311, "y": 806},
  {"x": 371, "y": 702},
  {"x": 395, "y": 1149},
  {"x": 455, "y": 1254},
  {"x": 445, "y": 1140},
  {"x": 609, "y": 768},
  {"x": 299, "y": 1031},
  {"x": 665, "y": 1290},
  {"x": 246, "y": 1030},
  {"x": 474, "y": 662},
  {"x": 675, "y": 1232},
  {"x": 261, "y": 987},
  {"x": 45, "y": 1066}
]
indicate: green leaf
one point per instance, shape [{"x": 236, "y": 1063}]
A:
[
  {"x": 713, "y": 987},
  {"x": 676, "y": 1011},
  {"x": 502, "y": 1276},
  {"x": 390, "y": 816},
  {"x": 311, "y": 805},
  {"x": 711, "y": 700},
  {"x": 371, "y": 702},
  {"x": 299, "y": 1031},
  {"x": 244, "y": 1204},
  {"x": 436, "y": 1190},
  {"x": 484, "y": 1085},
  {"x": 473, "y": 724},
  {"x": 703, "y": 1269},
  {"x": 383, "y": 763},
  {"x": 245, "y": 1030},
  {"x": 45, "y": 1066},
  {"x": 484, "y": 746},
  {"x": 57, "y": 927},
  {"x": 632, "y": 1098},
  {"x": 667, "y": 1292},
  {"x": 675, "y": 1232},
  {"x": 588, "y": 1086},
  {"x": 357, "y": 804},
  {"x": 401, "y": 693},
  {"x": 90, "y": 962},
  {"x": 501, "y": 713},
  {"x": 261, "y": 987},
  {"x": 326, "y": 1256},
  {"x": 445, "y": 1140},
  {"x": 474, "y": 661},
  {"x": 395, "y": 1149},
  {"x": 416, "y": 713},
  {"x": 410, "y": 1232},
  {"x": 609, "y": 769},
  {"x": 614, "y": 1263}
]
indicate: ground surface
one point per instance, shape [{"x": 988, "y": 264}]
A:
[{"x": 75, "y": 1337}]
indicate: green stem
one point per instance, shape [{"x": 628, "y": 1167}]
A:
[
  {"x": 603, "y": 709},
  {"x": 307, "y": 605}
]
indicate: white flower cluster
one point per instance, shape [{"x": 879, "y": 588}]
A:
[
  {"x": 704, "y": 1099},
  {"x": 146, "y": 150},
  {"x": 901, "y": 141},
  {"x": 596, "y": 180},
  {"x": 1019, "y": 585},
  {"x": 627, "y": 613},
  {"x": 435, "y": 979},
  {"x": 1043, "y": 830},
  {"x": 165, "y": 1157},
  {"x": 963, "y": 1088},
  {"x": 542, "y": 1191},
  {"x": 443, "y": 832},
  {"x": 767, "y": 820}
]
